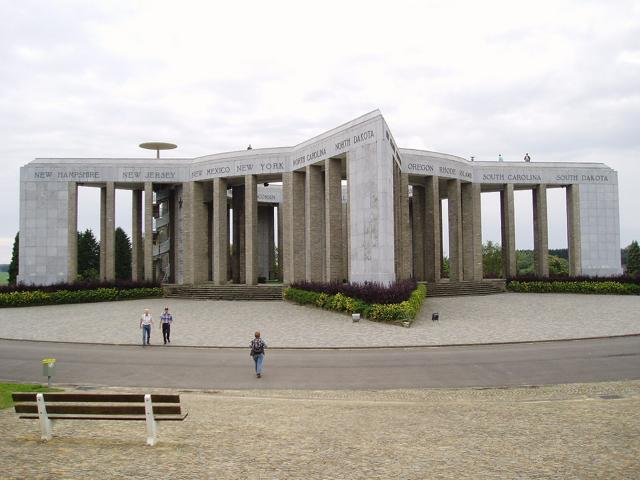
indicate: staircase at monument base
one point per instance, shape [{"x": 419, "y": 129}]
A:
[
  {"x": 452, "y": 289},
  {"x": 210, "y": 291}
]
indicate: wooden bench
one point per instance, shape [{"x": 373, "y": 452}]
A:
[{"x": 98, "y": 406}]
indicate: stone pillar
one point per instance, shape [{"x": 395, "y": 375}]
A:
[
  {"x": 471, "y": 231},
  {"x": 333, "y": 218},
  {"x": 148, "y": 231},
  {"x": 508, "y": 231},
  {"x": 195, "y": 227},
  {"x": 103, "y": 233},
  {"x": 173, "y": 236},
  {"x": 405, "y": 225},
  {"x": 293, "y": 225},
  {"x": 137, "y": 261},
  {"x": 432, "y": 230},
  {"x": 271, "y": 241},
  {"x": 72, "y": 233},
  {"x": 251, "y": 229},
  {"x": 345, "y": 242},
  {"x": 238, "y": 264},
  {"x": 110, "y": 244},
  {"x": 540, "y": 231},
  {"x": 314, "y": 198},
  {"x": 455, "y": 230},
  {"x": 418, "y": 232},
  {"x": 402, "y": 227},
  {"x": 220, "y": 234},
  {"x": 573, "y": 230},
  {"x": 280, "y": 243},
  {"x": 230, "y": 256}
]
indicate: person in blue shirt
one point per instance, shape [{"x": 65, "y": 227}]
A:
[{"x": 166, "y": 319}]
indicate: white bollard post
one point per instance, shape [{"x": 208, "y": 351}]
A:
[
  {"x": 151, "y": 422},
  {"x": 45, "y": 423}
]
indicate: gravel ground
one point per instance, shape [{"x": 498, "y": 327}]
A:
[
  {"x": 463, "y": 320},
  {"x": 560, "y": 432}
]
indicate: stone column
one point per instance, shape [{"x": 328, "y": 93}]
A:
[
  {"x": 103, "y": 233},
  {"x": 455, "y": 230},
  {"x": 405, "y": 225},
  {"x": 173, "y": 236},
  {"x": 148, "y": 231},
  {"x": 508, "y": 231},
  {"x": 110, "y": 244},
  {"x": 314, "y": 198},
  {"x": 195, "y": 227},
  {"x": 418, "y": 232},
  {"x": 230, "y": 256},
  {"x": 72, "y": 233},
  {"x": 573, "y": 230},
  {"x": 540, "y": 231},
  {"x": 251, "y": 229},
  {"x": 471, "y": 231},
  {"x": 137, "y": 261},
  {"x": 293, "y": 225},
  {"x": 220, "y": 234},
  {"x": 237, "y": 204},
  {"x": 402, "y": 227},
  {"x": 333, "y": 218},
  {"x": 432, "y": 230},
  {"x": 345, "y": 242},
  {"x": 280, "y": 244},
  {"x": 272, "y": 243}
]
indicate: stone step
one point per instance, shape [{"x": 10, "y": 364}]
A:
[
  {"x": 210, "y": 291},
  {"x": 448, "y": 289}
]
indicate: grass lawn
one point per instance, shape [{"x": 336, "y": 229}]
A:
[
  {"x": 6, "y": 389},
  {"x": 4, "y": 278}
]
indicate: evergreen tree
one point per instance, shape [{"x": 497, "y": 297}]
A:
[
  {"x": 558, "y": 266},
  {"x": 123, "y": 255},
  {"x": 13, "y": 266},
  {"x": 492, "y": 260},
  {"x": 633, "y": 259},
  {"x": 88, "y": 256}
]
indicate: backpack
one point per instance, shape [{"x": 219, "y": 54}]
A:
[{"x": 257, "y": 346}]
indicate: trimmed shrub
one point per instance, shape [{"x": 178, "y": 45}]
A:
[
  {"x": 76, "y": 286},
  {"x": 582, "y": 278},
  {"x": 369, "y": 292},
  {"x": 588, "y": 287},
  {"x": 397, "y": 313},
  {"x": 59, "y": 297}
]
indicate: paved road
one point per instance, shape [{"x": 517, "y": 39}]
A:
[{"x": 436, "y": 367}]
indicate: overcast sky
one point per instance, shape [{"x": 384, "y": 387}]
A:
[{"x": 557, "y": 79}]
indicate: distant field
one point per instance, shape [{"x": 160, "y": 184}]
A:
[{"x": 4, "y": 278}]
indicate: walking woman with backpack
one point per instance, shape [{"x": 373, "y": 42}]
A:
[{"x": 257, "y": 353}]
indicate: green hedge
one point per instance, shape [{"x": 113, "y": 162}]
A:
[
  {"x": 603, "y": 288},
  {"x": 397, "y": 313},
  {"x": 37, "y": 297}
]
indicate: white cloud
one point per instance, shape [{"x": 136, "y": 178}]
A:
[{"x": 557, "y": 78}]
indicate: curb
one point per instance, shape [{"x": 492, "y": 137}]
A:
[{"x": 384, "y": 347}]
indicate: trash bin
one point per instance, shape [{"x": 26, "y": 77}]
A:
[{"x": 48, "y": 367}]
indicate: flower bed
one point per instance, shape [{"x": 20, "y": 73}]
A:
[
  {"x": 396, "y": 313},
  {"x": 602, "y": 287},
  {"x": 57, "y": 297}
]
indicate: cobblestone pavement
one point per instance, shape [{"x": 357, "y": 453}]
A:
[
  {"x": 463, "y": 320},
  {"x": 580, "y": 431}
]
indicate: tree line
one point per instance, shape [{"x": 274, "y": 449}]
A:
[{"x": 88, "y": 256}]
